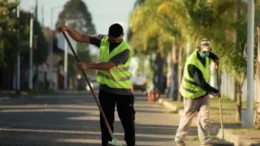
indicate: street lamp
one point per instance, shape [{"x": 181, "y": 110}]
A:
[
  {"x": 51, "y": 49},
  {"x": 18, "y": 54},
  {"x": 250, "y": 66},
  {"x": 32, "y": 9}
]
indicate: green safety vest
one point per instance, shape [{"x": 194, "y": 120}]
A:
[
  {"x": 118, "y": 76},
  {"x": 189, "y": 88}
]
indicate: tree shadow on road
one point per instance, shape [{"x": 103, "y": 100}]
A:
[{"x": 29, "y": 122}]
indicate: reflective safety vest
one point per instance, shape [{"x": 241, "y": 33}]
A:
[
  {"x": 189, "y": 88},
  {"x": 118, "y": 76}
]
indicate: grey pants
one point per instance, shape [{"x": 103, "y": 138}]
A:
[{"x": 201, "y": 106}]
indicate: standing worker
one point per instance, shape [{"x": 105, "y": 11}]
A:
[
  {"x": 195, "y": 89},
  {"x": 114, "y": 78}
]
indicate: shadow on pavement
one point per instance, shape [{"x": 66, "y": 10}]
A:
[{"x": 68, "y": 121}]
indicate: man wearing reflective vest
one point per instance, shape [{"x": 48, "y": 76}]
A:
[
  {"x": 114, "y": 78},
  {"x": 195, "y": 89}
]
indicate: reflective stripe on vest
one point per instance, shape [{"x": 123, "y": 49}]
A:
[
  {"x": 110, "y": 77},
  {"x": 118, "y": 76},
  {"x": 189, "y": 88},
  {"x": 117, "y": 69}
]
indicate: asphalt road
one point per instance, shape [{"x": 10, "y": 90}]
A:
[{"x": 72, "y": 119}]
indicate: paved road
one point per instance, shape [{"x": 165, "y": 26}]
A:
[{"x": 71, "y": 119}]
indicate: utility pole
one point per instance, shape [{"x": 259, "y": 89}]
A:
[
  {"x": 248, "y": 121},
  {"x": 51, "y": 53},
  {"x": 31, "y": 47},
  {"x": 51, "y": 49},
  {"x": 42, "y": 16},
  {"x": 18, "y": 53},
  {"x": 66, "y": 49}
]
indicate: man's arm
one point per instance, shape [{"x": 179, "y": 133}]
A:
[
  {"x": 95, "y": 39},
  {"x": 199, "y": 79},
  {"x": 74, "y": 34},
  {"x": 120, "y": 58},
  {"x": 215, "y": 58},
  {"x": 101, "y": 66}
]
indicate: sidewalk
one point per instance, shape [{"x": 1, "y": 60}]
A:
[{"x": 234, "y": 133}]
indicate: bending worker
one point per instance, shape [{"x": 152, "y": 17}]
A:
[
  {"x": 113, "y": 76},
  {"x": 195, "y": 89}
]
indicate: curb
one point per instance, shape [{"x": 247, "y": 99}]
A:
[
  {"x": 168, "y": 105},
  {"x": 236, "y": 139},
  {"x": 216, "y": 130}
]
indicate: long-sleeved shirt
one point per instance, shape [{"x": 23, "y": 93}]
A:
[{"x": 198, "y": 76}]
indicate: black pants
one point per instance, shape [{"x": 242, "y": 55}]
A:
[{"x": 126, "y": 113}]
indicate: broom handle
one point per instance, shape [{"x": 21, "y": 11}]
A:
[
  {"x": 92, "y": 91},
  {"x": 220, "y": 108}
]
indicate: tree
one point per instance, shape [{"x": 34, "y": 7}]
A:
[
  {"x": 11, "y": 43},
  {"x": 233, "y": 43},
  {"x": 41, "y": 50},
  {"x": 154, "y": 39},
  {"x": 8, "y": 23},
  {"x": 187, "y": 21},
  {"x": 216, "y": 22},
  {"x": 8, "y": 44},
  {"x": 219, "y": 24},
  {"x": 77, "y": 14},
  {"x": 172, "y": 23}
]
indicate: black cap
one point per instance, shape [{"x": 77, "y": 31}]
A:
[{"x": 115, "y": 30}]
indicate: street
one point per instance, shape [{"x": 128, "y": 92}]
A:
[{"x": 72, "y": 119}]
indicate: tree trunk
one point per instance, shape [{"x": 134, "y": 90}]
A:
[
  {"x": 257, "y": 117},
  {"x": 159, "y": 62},
  {"x": 170, "y": 64},
  {"x": 7, "y": 77},
  {"x": 175, "y": 79},
  {"x": 233, "y": 89},
  {"x": 173, "y": 94},
  {"x": 234, "y": 81},
  {"x": 180, "y": 72},
  {"x": 238, "y": 86},
  {"x": 169, "y": 74},
  {"x": 239, "y": 103},
  {"x": 258, "y": 65}
]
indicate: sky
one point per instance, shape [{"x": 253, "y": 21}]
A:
[{"x": 104, "y": 12}]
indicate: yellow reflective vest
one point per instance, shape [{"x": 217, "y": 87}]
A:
[
  {"x": 119, "y": 76},
  {"x": 189, "y": 88}
]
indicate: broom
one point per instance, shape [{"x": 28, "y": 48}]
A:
[{"x": 222, "y": 142}]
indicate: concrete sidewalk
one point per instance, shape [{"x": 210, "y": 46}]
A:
[{"x": 233, "y": 132}]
